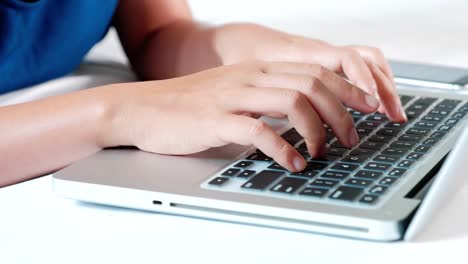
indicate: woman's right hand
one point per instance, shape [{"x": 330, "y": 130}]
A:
[{"x": 217, "y": 107}]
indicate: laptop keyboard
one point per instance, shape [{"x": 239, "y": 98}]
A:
[{"x": 363, "y": 174}]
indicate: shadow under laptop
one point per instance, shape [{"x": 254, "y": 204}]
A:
[{"x": 450, "y": 222}]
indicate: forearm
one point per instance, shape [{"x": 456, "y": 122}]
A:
[
  {"x": 40, "y": 137},
  {"x": 178, "y": 49}
]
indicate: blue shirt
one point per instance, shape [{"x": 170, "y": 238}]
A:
[{"x": 46, "y": 39}]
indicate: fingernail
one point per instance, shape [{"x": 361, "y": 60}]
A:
[
  {"x": 371, "y": 101},
  {"x": 402, "y": 112},
  {"x": 353, "y": 137},
  {"x": 299, "y": 163}
]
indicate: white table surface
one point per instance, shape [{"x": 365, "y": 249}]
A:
[{"x": 36, "y": 226}]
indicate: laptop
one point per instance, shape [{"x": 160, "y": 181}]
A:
[{"x": 384, "y": 189}]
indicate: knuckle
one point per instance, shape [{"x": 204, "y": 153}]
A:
[
  {"x": 321, "y": 71},
  {"x": 351, "y": 53},
  {"x": 257, "y": 128},
  {"x": 352, "y": 93},
  {"x": 315, "y": 85},
  {"x": 376, "y": 51},
  {"x": 294, "y": 99},
  {"x": 262, "y": 67}
]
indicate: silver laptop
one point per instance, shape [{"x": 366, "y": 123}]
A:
[{"x": 379, "y": 190}]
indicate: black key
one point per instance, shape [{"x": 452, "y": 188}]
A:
[
  {"x": 336, "y": 151},
  {"x": 385, "y": 158},
  {"x": 315, "y": 166},
  {"x": 356, "y": 113},
  {"x": 346, "y": 193},
  {"x": 262, "y": 180},
  {"x": 362, "y": 132},
  {"x": 417, "y": 131},
  {"x": 307, "y": 174},
  {"x": 288, "y": 185},
  {"x": 344, "y": 167},
  {"x": 377, "y": 166},
  {"x": 422, "y": 149},
  {"x": 414, "y": 156},
  {"x": 369, "y": 124},
  {"x": 388, "y": 181},
  {"x": 230, "y": 172},
  {"x": 243, "y": 164},
  {"x": 355, "y": 159},
  {"x": 218, "y": 181},
  {"x": 458, "y": 115},
  {"x": 405, "y": 99},
  {"x": 326, "y": 158},
  {"x": 338, "y": 175},
  {"x": 380, "y": 138},
  {"x": 259, "y": 156},
  {"x": 448, "y": 103},
  {"x": 369, "y": 199},
  {"x": 246, "y": 173},
  {"x": 276, "y": 166},
  {"x": 441, "y": 113},
  {"x": 372, "y": 145},
  {"x": 337, "y": 144},
  {"x": 417, "y": 107},
  {"x": 361, "y": 151},
  {"x": 463, "y": 109},
  {"x": 395, "y": 125},
  {"x": 368, "y": 174},
  {"x": 413, "y": 138},
  {"x": 324, "y": 183},
  {"x": 395, "y": 151},
  {"x": 425, "y": 100},
  {"x": 379, "y": 118},
  {"x": 403, "y": 144},
  {"x": 438, "y": 134},
  {"x": 410, "y": 114},
  {"x": 405, "y": 163},
  {"x": 430, "y": 141},
  {"x": 445, "y": 128},
  {"x": 378, "y": 189},
  {"x": 292, "y": 136},
  {"x": 303, "y": 145},
  {"x": 426, "y": 124},
  {"x": 304, "y": 153},
  {"x": 315, "y": 192},
  {"x": 397, "y": 172},
  {"x": 451, "y": 121},
  {"x": 359, "y": 182},
  {"x": 432, "y": 118},
  {"x": 388, "y": 132}
]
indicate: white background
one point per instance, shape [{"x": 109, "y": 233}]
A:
[{"x": 38, "y": 227}]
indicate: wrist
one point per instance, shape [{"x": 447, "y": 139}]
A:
[{"x": 107, "y": 107}]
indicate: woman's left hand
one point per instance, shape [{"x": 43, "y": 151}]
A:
[{"x": 365, "y": 67}]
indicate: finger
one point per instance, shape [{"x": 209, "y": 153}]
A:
[
  {"x": 325, "y": 103},
  {"x": 248, "y": 131},
  {"x": 375, "y": 55},
  {"x": 293, "y": 104},
  {"x": 357, "y": 71},
  {"x": 388, "y": 96},
  {"x": 350, "y": 95}
]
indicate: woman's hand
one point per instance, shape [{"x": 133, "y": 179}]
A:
[
  {"x": 364, "y": 66},
  {"x": 214, "y": 108}
]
